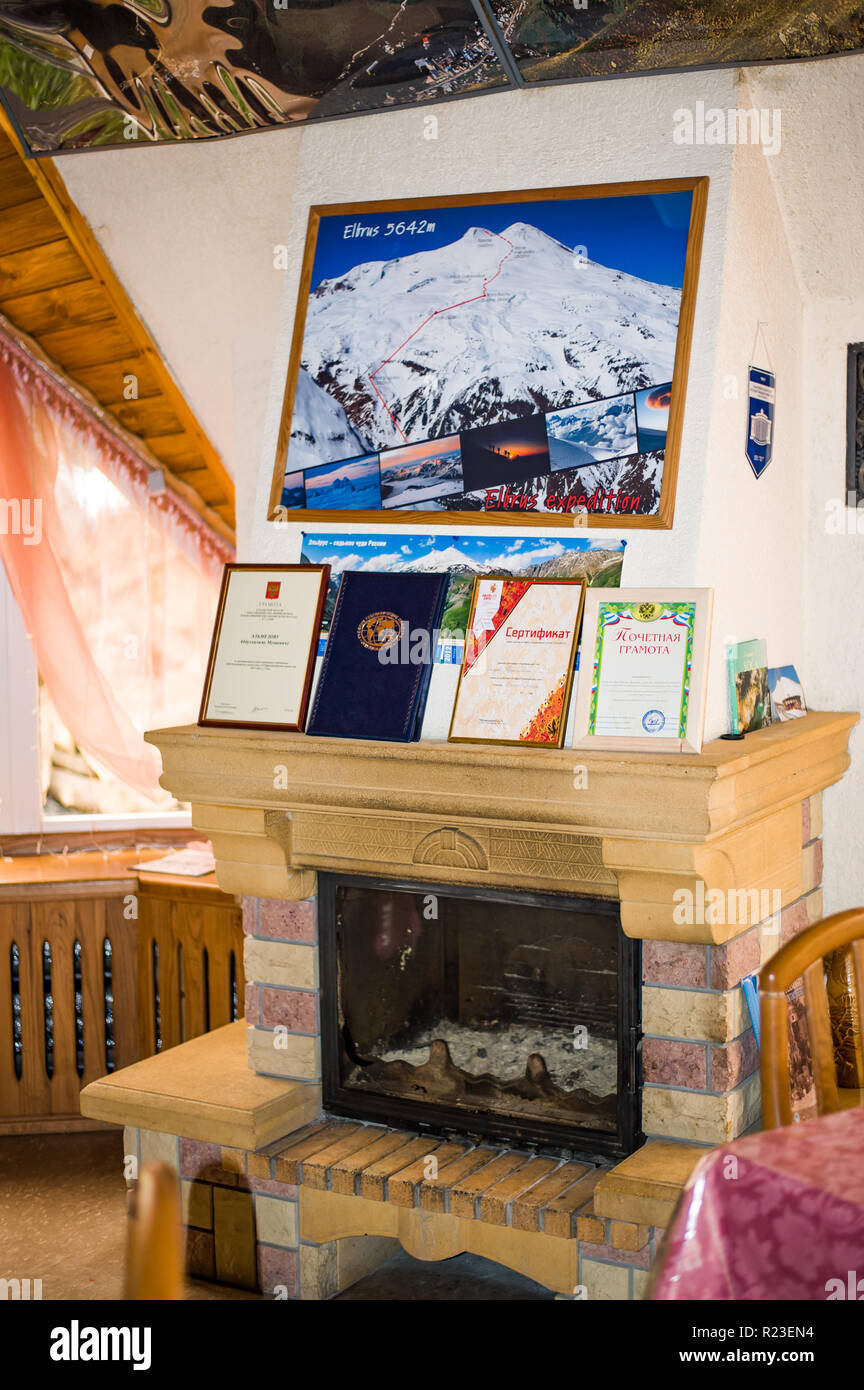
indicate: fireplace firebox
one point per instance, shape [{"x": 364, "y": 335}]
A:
[{"x": 487, "y": 1014}]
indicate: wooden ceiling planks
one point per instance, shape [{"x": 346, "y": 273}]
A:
[{"x": 57, "y": 287}]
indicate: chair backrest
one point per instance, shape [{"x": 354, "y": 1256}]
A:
[
  {"x": 803, "y": 957},
  {"x": 154, "y": 1263}
]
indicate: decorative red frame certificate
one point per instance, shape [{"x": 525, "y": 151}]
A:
[{"x": 517, "y": 670}]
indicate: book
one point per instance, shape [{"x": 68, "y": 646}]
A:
[
  {"x": 380, "y": 651},
  {"x": 749, "y": 695},
  {"x": 787, "y": 696}
]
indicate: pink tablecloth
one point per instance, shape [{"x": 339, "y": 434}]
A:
[{"x": 778, "y": 1215}]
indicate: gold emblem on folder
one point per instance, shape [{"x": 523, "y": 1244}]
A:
[{"x": 379, "y": 630}]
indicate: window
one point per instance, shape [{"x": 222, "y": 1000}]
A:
[{"x": 106, "y": 608}]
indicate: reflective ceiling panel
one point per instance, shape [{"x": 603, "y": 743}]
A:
[
  {"x": 562, "y": 40},
  {"x": 116, "y": 72},
  {"x": 98, "y": 72}
]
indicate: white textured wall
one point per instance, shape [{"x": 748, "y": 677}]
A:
[
  {"x": 833, "y": 551},
  {"x": 751, "y": 530},
  {"x": 192, "y": 231}
]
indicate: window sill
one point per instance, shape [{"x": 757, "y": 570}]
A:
[{"x": 82, "y": 825}]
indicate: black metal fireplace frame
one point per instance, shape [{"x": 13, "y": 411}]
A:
[{"x": 450, "y": 1122}]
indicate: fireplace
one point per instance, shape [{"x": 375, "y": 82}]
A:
[{"x": 465, "y": 1011}]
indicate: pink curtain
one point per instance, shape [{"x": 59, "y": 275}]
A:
[{"x": 117, "y": 587}]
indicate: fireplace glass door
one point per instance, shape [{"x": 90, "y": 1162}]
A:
[{"x": 485, "y": 1013}]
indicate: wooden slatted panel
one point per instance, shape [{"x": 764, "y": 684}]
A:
[
  {"x": 91, "y": 918},
  {"x": 190, "y": 928},
  {"x": 14, "y": 921},
  {"x": 821, "y": 1040},
  {"x": 147, "y": 931},
  {"x": 122, "y": 932},
  {"x": 219, "y": 947},
  {"x": 190, "y": 936},
  {"x": 61, "y": 923},
  {"x": 56, "y": 924},
  {"x": 35, "y": 1092},
  {"x": 168, "y": 976}
]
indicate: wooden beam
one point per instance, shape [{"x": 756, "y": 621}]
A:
[
  {"x": 54, "y": 191},
  {"x": 40, "y": 268}
]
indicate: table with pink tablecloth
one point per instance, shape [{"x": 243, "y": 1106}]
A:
[{"x": 778, "y": 1215}]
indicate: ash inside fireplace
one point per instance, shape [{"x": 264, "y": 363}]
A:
[{"x": 505, "y": 1051}]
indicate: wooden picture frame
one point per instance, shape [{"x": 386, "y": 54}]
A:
[
  {"x": 554, "y": 508},
  {"x": 287, "y": 629},
  {"x": 472, "y": 661},
  {"x": 632, "y": 684}
]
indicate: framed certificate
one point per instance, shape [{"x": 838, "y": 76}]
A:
[
  {"x": 517, "y": 668},
  {"x": 642, "y": 669},
  {"x": 264, "y": 643}
]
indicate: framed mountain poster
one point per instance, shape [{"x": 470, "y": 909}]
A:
[{"x": 499, "y": 357}]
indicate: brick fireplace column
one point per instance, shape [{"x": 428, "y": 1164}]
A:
[{"x": 282, "y": 993}]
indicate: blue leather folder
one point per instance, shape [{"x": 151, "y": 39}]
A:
[{"x": 370, "y": 686}]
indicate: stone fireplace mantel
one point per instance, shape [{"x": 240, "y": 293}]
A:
[{"x": 634, "y": 826}]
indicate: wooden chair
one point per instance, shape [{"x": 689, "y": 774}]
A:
[
  {"x": 803, "y": 956},
  {"x": 154, "y": 1262}
]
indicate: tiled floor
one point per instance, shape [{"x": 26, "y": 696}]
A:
[{"x": 63, "y": 1216}]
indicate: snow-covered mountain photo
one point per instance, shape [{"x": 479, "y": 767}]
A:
[
  {"x": 490, "y": 325},
  {"x": 598, "y": 562},
  {"x": 587, "y": 433}
]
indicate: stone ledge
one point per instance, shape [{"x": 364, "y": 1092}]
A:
[
  {"x": 726, "y": 784},
  {"x": 640, "y": 827},
  {"x": 644, "y": 1188},
  {"x": 204, "y": 1089}
]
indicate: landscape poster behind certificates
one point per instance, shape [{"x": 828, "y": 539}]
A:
[{"x": 503, "y": 357}]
